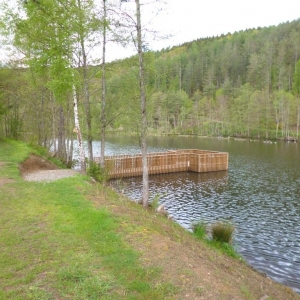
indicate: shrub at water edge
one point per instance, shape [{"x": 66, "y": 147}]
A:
[
  {"x": 97, "y": 172},
  {"x": 222, "y": 232}
]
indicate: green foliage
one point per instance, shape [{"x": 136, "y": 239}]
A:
[
  {"x": 61, "y": 78},
  {"x": 223, "y": 248},
  {"x": 222, "y": 232},
  {"x": 97, "y": 172},
  {"x": 296, "y": 79},
  {"x": 233, "y": 85},
  {"x": 39, "y": 149},
  {"x": 200, "y": 229},
  {"x": 222, "y": 86},
  {"x": 221, "y": 236},
  {"x": 155, "y": 202},
  {"x": 8, "y": 153}
]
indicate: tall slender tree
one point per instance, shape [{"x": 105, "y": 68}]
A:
[
  {"x": 143, "y": 105},
  {"x": 139, "y": 43},
  {"x": 103, "y": 85}
]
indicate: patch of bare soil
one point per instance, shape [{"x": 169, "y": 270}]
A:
[
  {"x": 38, "y": 169},
  {"x": 36, "y": 163},
  {"x": 197, "y": 271}
]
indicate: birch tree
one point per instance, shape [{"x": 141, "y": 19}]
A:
[
  {"x": 46, "y": 33},
  {"x": 143, "y": 104}
]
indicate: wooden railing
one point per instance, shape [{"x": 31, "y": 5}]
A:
[{"x": 166, "y": 162}]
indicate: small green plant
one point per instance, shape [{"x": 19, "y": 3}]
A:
[
  {"x": 73, "y": 273},
  {"x": 247, "y": 293},
  {"x": 200, "y": 290},
  {"x": 222, "y": 232},
  {"x": 97, "y": 172},
  {"x": 155, "y": 202},
  {"x": 224, "y": 248},
  {"x": 200, "y": 230}
]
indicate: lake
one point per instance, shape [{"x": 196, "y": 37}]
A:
[{"x": 259, "y": 194}]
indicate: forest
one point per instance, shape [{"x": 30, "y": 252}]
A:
[{"x": 242, "y": 84}]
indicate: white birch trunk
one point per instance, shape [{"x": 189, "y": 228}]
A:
[{"x": 78, "y": 132}]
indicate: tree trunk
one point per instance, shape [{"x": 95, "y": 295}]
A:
[
  {"x": 143, "y": 135},
  {"x": 78, "y": 132},
  {"x": 69, "y": 137},
  {"x": 103, "y": 103},
  {"x": 53, "y": 124},
  {"x": 86, "y": 93},
  {"x": 61, "y": 142},
  {"x": 298, "y": 120}
]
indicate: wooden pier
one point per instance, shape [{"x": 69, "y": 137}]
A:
[{"x": 166, "y": 162}]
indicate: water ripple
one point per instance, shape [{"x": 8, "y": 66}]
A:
[{"x": 259, "y": 194}]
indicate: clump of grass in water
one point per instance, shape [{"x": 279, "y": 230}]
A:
[
  {"x": 221, "y": 236},
  {"x": 222, "y": 232}
]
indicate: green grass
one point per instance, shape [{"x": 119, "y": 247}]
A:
[
  {"x": 97, "y": 172},
  {"x": 55, "y": 244},
  {"x": 224, "y": 248},
  {"x": 221, "y": 233},
  {"x": 200, "y": 230}
]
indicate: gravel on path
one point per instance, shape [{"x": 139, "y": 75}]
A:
[{"x": 49, "y": 175}]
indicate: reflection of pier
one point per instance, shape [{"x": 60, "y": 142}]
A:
[{"x": 167, "y": 162}]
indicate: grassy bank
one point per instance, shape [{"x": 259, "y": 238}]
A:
[
  {"x": 55, "y": 244},
  {"x": 71, "y": 239}
]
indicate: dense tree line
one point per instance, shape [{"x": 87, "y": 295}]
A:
[
  {"x": 56, "y": 39},
  {"x": 241, "y": 84}
]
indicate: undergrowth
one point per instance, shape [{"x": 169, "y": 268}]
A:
[
  {"x": 222, "y": 232},
  {"x": 42, "y": 151},
  {"x": 97, "y": 172},
  {"x": 221, "y": 236}
]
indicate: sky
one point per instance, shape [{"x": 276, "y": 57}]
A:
[{"x": 187, "y": 20}]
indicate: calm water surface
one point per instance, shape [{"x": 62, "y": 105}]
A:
[{"x": 259, "y": 194}]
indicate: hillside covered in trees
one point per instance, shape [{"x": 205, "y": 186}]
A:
[
  {"x": 244, "y": 84},
  {"x": 240, "y": 84}
]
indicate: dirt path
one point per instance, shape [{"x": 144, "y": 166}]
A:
[{"x": 38, "y": 169}]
